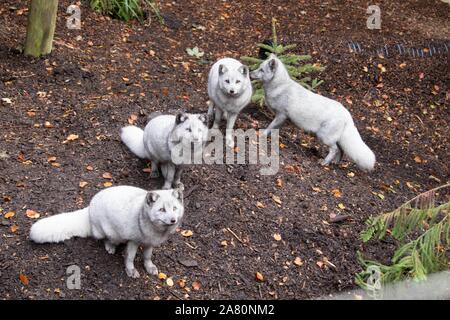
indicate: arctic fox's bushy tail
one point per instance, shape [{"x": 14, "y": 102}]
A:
[
  {"x": 61, "y": 227},
  {"x": 355, "y": 148},
  {"x": 133, "y": 137}
]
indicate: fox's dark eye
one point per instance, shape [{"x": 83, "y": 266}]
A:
[
  {"x": 188, "y": 129},
  {"x": 238, "y": 81},
  {"x": 227, "y": 81},
  {"x": 163, "y": 210},
  {"x": 175, "y": 208}
]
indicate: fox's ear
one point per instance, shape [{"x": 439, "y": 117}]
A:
[
  {"x": 151, "y": 197},
  {"x": 222, "y": 69},
  {"x": 203, "y": 118},
  {"x": 243, "y": 70},
  {"x": 273, "y": 65},
  {"x": 181, "y": 117},
  {"x": 272, "y": 55}
]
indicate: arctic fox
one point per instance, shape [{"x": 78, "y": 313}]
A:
[
  {"x": 160, "y": 142},
  {"x": 121, "y": 214},
  {"x": 229, "y": 90},
  {"x": 327, "y": 118}
]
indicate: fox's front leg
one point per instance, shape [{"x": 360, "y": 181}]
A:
[
  {"x": 217, "y": 117},
  {"x": 148, "y": 263},
  {"x": 155, "y": 172},
  {"x": 130, "y": 254},
  {"x": 277, "y": 122},
  {"x": 177, "y": 178},
  {"x": 169, "y": 176},
  {"x": 229, "y": 132}
]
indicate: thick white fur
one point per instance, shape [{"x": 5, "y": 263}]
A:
[
  {"x": 157, "y": 140},
  {"x": 62, "y": 227},
  {"x": 327, "y": 118},
  {"x": 233, "y": 78},
  {"x": 121, "y": 214}
]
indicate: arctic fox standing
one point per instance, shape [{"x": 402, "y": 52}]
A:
[
  {"x": 163, "y": 138},
  {"x": 121, "y": 214},
  {"x": 230, "y": 91},
  {"x": 327, "y": 118}
]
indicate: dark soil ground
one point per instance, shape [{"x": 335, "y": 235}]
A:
[{"x": 99, "y": 76}]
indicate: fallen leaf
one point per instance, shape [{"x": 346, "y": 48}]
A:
[
  {"x": 259, "y": 276},
  {"x": 89, "y": 168},
  {"x": 336, "y": 193},
  {"x": 132, "y": 119},
  {"x": 32, "y": 214},
  {"x": 48, "y": 125},
  {"x": 83, "y": 184},
  {"x": 51, "y": 159},
  {"x": 107, "y": 175},
  {"x": 277, "y": 236},
  {"x": 7, "y": 100},
  {"x": 276, "y": 199},
  {"x": 316, "y": 189},
  {"x": 169, "y": 282},
  {"x": 187, "y": 233},
  {"x": 341, "y": 206},
  {"x": 14, "y": 228},
  {"x": 9, "y": 215},
  {"x": 320, "y": 264},
  {"x": 162, "y": 276},
  {"x": 107, "y": 184},
  {"x": 224, "y": 243},
  {"x": 72, "y": 137},
  {"x": 181, "y": 283},
  {"x": 260, "y": 205},
  {"x": 298, "y": 261},
  {"x": 196, "y": 285},
  {"x": 280, "y": 183},
  {"x": 350, "y": 174},
  {"x": 24, "y": 279},
  {"x": 417, "y": 159}
]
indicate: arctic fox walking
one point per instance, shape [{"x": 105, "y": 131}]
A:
[
  {"x": 327, "y": 118},
  {"x": 230, "y": 91},
  {"x": 121, "y": 214},
  {"x": 163, "y": 138}
]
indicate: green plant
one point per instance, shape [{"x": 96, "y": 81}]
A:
[
  {"x": 127, "y": 10},
  {"x": 422, "y": 228},
  {"x": 195, "y": 52},
  {"x": 291, "y": 61}
]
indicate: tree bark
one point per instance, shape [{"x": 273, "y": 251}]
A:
[{"x": 40, "y": 27}]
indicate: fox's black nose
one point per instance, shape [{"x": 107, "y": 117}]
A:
[
  {"x": 173, "y": 221},
  {"x": 232, "y": 91}
]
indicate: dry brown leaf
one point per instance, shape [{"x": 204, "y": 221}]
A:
[
  {"x": 337, "y": 193},
  {"x": 9, "y": 215},
  {"x": 107, "y": 175},
  {"x": 280, "y": 183},
  {"x": 187, "y": 233},
  {"x": 162, "y": 276},
  {"x": 276, "y": 199},
  {"x": 196, "y": 285},
  {"x": 181, "y": 283},
  {"x": 32, "y": 214},
  {"x": 24, "y": 279},
  {"x": 72, "y": 137},
  {"x": 277, "y": 236},
  {"x": 169, "y": 282},
  {"x": 259, "y": 276},
  {"x": 14, "y": 228},
  {"x": 107, "y": 184},
  {"x": 89, "y": 168},
  {"x": 260, "y": 205},
  {"x": 83, "y": 184},
  {"x": 298, "y": 261}
]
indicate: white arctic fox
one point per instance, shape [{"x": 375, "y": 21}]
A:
[
  {"x": 162, "y": 137},
  {"x": 229, "y": 90},
  {"x": 327, "y": 118},
  {"x": 121, "y": 214}
]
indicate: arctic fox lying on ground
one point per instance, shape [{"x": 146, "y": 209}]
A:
[
  {"x": 158, "y": 140},
  {"x": 328, "y": 119},
  {"x": 229, "y": 90},
  {"x": 121, "y": 214}
]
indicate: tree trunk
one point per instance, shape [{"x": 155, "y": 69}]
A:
[{"x": 40, "y": 27}]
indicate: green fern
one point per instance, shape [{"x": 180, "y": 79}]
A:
[
  {"x": 291, "y": 62},
  {"x": 422, "y": 228},
  {"x": 126, "y": 10}
]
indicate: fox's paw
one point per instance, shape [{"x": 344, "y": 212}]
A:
[
  {"x": 230, "y": 142},
  {"x": 132, "y": 273},
  {"x": 110, "y": 248},
  {"x": 324, "y": 163},
  {"x": 151, "y": 269}
]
